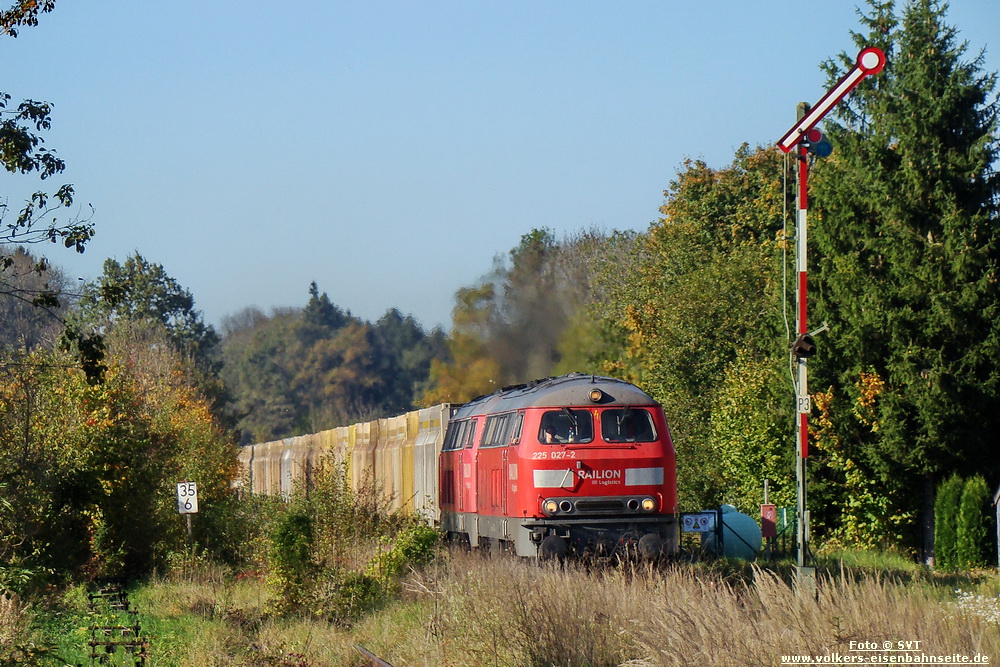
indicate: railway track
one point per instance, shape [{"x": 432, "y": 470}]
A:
[
  {"x": 115, "y": 633},
  {"x": 372, "y": 659}
]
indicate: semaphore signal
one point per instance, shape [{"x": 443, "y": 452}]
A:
[{"x": 809, "y": 139}]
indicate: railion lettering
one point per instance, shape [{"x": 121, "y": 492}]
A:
[{"x": 599, "y": 474}]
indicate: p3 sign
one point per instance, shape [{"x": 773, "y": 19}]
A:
[{"x": 187, "y": 498}]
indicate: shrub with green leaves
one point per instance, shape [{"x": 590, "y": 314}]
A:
[
  {"x": 291, "y": 556},
  {"x": 339, "y": 552}
]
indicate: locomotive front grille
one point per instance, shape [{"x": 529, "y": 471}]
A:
[{"x": 600, "y": 505}]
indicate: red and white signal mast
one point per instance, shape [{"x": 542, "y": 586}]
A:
[{"x": 809, "y": 139}]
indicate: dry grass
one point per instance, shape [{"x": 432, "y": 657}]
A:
[
  {"x": 495, "y": 612},
  {"x": 15, "y": 622},
  {"x": 466, "y": 610}
]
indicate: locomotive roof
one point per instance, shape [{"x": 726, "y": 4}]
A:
[{"x": 565, "y": 390}]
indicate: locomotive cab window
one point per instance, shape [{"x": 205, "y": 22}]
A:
[
  {"x": 628, "y": 425},
  {"x": 566, "y": 426}
]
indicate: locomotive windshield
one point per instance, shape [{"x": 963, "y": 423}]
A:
[
  {"x": 562, "y": 426},
  {"x": 628, "y": 425}
]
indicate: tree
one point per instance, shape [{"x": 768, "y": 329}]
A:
[
  {"x": 972, "y": 527},
  {"x": 906, "y": 238},
  {"x": 313, "y": 368},
  {"x": 749, "y": 443},
  {"x": 528, "y": 317},
  {"x": 594, "y": 340},
  {"x": 702, "y": 309},
  {"x": 24, "y": 12},
  {"x": 87, "y": 471},
  {"x": 22, "y": 150},
  {"x": 25, "y": 283},
  {"x": 142, "y": 291},
  {"x": 258, "y": 367},
  {"x": 404, "y": 354},
  {"x": 471, "y": 370},
  {"x": 321, "y": 316},
  {"x": 946, "y": 504}
]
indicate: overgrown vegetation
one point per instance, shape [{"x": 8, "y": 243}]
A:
[
  {"x": 466, "y": 610},
  {"x": 338, "y": 553},
  {"x": 92, "y": 467}
]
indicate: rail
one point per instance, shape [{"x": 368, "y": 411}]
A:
[{"x": 373, "y": 659}]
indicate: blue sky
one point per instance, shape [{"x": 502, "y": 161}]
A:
[{"x": 389, "y": 150}]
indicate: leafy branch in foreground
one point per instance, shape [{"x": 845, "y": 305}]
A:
[
  {"x": 23, "y": 151},
  {"x": 23, "y": 12}
]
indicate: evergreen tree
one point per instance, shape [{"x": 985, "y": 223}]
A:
[
  {"x": 946, "y": 505},
  {"x": 321, "y": 316},
  {"x": 971, "y": 530},
  {"x": 906, "y": 233}
]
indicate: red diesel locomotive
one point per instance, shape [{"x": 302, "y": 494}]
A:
[{"x": 565, "y": 465}]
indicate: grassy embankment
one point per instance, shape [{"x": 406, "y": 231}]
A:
[{"x": 467, "y": 610}]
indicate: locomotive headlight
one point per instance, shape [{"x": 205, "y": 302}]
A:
[
  {"x": 596, "y": 395},
  {"x": 550, "y": 506},
  {"x": 648, "y": 504}
]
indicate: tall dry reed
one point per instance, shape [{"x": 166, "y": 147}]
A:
[{"x": 501, "y": 612}]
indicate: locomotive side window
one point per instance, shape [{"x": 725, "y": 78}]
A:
[
  {"x": 515, "y": 433},
  {"x": 459, "y": 434},
  {"x": 500, "y": 430},
  {"x": 489, "y": 431},
  {"x": 565, "y": 426},
  {"x": 453, "y": 436},
  {"x": 469, "y": 435},
  {"x": 629, "y": 425}
]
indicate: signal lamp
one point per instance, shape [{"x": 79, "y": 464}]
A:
[
  {"x": 817, "y": 143},
  {"x": 648, "y": 504},
  {"x": 550, "y": 506},
  {"x": 804, "y": 346}
]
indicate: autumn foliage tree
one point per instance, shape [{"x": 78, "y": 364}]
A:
[
  {"x": 89, "y": 468},
  {"x": 528, "y": 317},
  {"x": 303, "y": 370},
  {"x": 699, "y": 322}
]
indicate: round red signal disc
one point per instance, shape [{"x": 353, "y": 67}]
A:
[{"x": 871, "y": 60}]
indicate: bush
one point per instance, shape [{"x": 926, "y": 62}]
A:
[
  {"x": 291, "y": 557},
  {"x": 946, "y": 522},
  {"x": 413, "y": 547},
  {"x": 973, "y": 525},
  {"x": 339, "y": 552},
  {"x": 91, "y": 468}
]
